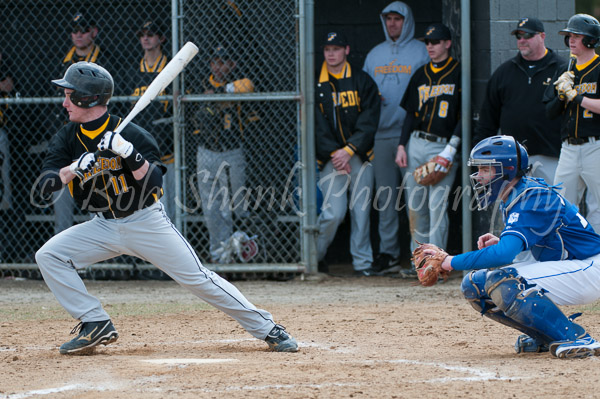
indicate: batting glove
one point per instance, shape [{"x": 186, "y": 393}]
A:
[
  {"x": 566, "y": 77},
  {"x": 571, "y": 94},
  {"x": 85, "y": 163},
  {"x": 564, "y": 87},
  {"x": 116, "y": 143}
]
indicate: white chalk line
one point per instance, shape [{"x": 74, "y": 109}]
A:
[{"x": 477, "y": 374}]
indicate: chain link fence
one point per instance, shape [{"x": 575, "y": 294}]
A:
[{"x": 230, "y": 141}]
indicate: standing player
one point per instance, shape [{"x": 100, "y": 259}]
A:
[
  {"x": 123, "y": 190},
  {"x": 391, "y": 64},
  {"x": 346, "y": 117},
  {"x": 566, "y": 269},
  {"x": 221, "y": 165},
  {"x": 156, "y": 115},
  {"x": 432, "y": 130},
  {"x": 576, "y": 99}
]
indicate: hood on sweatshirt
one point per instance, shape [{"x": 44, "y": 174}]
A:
[{"x": 408, "y": 28}]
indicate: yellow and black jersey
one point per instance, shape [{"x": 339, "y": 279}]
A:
[
  {"x": 110, "y": 186},
  {"x": 433, "y": 96},
  {"x": 222, "y": 126},
  {"x": 578, "y": 122}
]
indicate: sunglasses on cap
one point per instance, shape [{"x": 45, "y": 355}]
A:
[
  {"x": 79, "y": 29},
  {"x": 148, "y": 33},
  {"x": 524, "y": 35},
  {"x": 432, "y": 41}
]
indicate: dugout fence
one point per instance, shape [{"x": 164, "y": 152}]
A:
[{"x": 265, "y": 39}]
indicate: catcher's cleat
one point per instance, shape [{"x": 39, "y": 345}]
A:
[
  {"x": 582, "y": 347},
  {"x": 280, "y": 341},
  {"x": 409, "y": 273},
  {"x": 91, "y": 333},
  {"x": 526, "y": 344}
]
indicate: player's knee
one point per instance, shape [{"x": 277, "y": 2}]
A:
[
  {"x": 42, "y": 256},
  {"x": 504, "y": 286},
  {"x": 473, "y": 289}
]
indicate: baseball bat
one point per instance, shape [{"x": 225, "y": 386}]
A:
[
  {"x": 162, "y": 80},
  {"x": 572, "y": 62}
]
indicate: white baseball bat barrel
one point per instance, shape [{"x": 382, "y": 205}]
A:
[{"x": 162, "y": 80}]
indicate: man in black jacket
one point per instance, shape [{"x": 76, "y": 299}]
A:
[
  {"x": 514, "y": 99},
  {"x": 347, "y": 115}
]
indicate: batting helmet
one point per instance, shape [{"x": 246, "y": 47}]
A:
[
  {"x": 583, "y": 24},
  {"x": 91, "y": 84},
  {"x": 508, "y": 158}
]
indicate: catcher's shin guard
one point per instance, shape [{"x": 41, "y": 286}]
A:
[
  {"x": 474, "y": 289},
  {"x": 529, "y": 308}
]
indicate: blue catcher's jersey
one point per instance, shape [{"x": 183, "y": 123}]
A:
[{"x": 550, "y": 226}]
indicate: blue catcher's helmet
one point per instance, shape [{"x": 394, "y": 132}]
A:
[{"x": 508, "y": 158}]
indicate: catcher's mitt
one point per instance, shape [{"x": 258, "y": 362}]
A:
[
  {"x": 429, "y": 267},
  {"x": 432, "y": 171}
]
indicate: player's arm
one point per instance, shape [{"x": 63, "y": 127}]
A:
[
  {"x": 503, "y": 253},
  {"x": 363, "y": 136}
]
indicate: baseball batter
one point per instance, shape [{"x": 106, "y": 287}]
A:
[
  {"x": 123, "y": 190},
  {"x": 432, "y": 130},
  {"x": 566, "y": 269},
  {"x": 579, "y": 110}
]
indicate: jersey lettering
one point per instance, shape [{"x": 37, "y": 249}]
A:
[
  {"x": 345, "y": 99},
  {"x": 426, "y": 92},
  {"x": 104, "y": 164},
  {"x": 586, "y": 88}
]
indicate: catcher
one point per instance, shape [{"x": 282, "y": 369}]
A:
[
  {"x": 564, "y": 265},
  {"x": 432, "y": 130}
]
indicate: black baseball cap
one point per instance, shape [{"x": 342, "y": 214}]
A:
[
  {"x": 335, "y": 39},
  {"x": 81, "y": 21},
  {"x": 529, "y": 25},
  {"x": 151, "y": 27},
  {"x": 437, "y": 31},
  {"x": 220, "y": 52}
]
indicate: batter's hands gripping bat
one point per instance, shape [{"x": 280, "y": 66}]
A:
[
  {"x": 572, "y": 62},
  {"x": 162, "y": 80}
]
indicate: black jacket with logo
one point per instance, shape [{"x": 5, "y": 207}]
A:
[{"x": 347, "y": 113}]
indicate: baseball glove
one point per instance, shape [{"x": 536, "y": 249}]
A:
[
  {"x": 432, "y": 171},
  {"x": 429, "y": 267}
]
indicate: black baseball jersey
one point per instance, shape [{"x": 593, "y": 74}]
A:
[
  {"x": 433, "y": 96},
  {"x": 222, "y": 126},
  {"x": 110, "y": 187},
  {"x": 577, "y": 121},
  {"x": 155, "y": 116}
]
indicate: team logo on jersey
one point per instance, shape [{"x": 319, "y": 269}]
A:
[
  {"x": 104, "y": 164},
  {"x": 586, "y": 88},
  {"x": 513, "y": 218},
  {"x": 426, "y": 92}
]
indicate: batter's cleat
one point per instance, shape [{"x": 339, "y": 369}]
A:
[
  {"x": 582, "y": 347},
  {"x": 91, "y": 333},
  {"x": 280, "y": 341},
  {"x": 526, "y": 344}
]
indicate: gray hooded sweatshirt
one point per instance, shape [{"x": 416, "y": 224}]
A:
[{"x": 391, "y": 64}]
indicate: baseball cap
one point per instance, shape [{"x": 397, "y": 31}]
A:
[
  {"x": 220, "y": 52},
  {"x": 437, "y": 31},
  {"x": 529, "y": 25},
  {"x": 335, "y": 39},
  {"x": 81, "y": 21},
  {"x": 392, "y": 12},
  {"x": 151, "y": 27}
]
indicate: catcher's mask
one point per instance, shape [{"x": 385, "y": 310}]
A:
[
  {"x": 91, "y": 84},
  {"x": 506, "y": 159},
  {"x": 583, "y": 24}
]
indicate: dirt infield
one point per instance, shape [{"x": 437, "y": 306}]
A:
[{"x": 360, "y": 337}]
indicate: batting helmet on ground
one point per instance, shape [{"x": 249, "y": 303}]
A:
[
  {"x": 91, "y": 84},
  {"x": 583, "y": 24}
]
